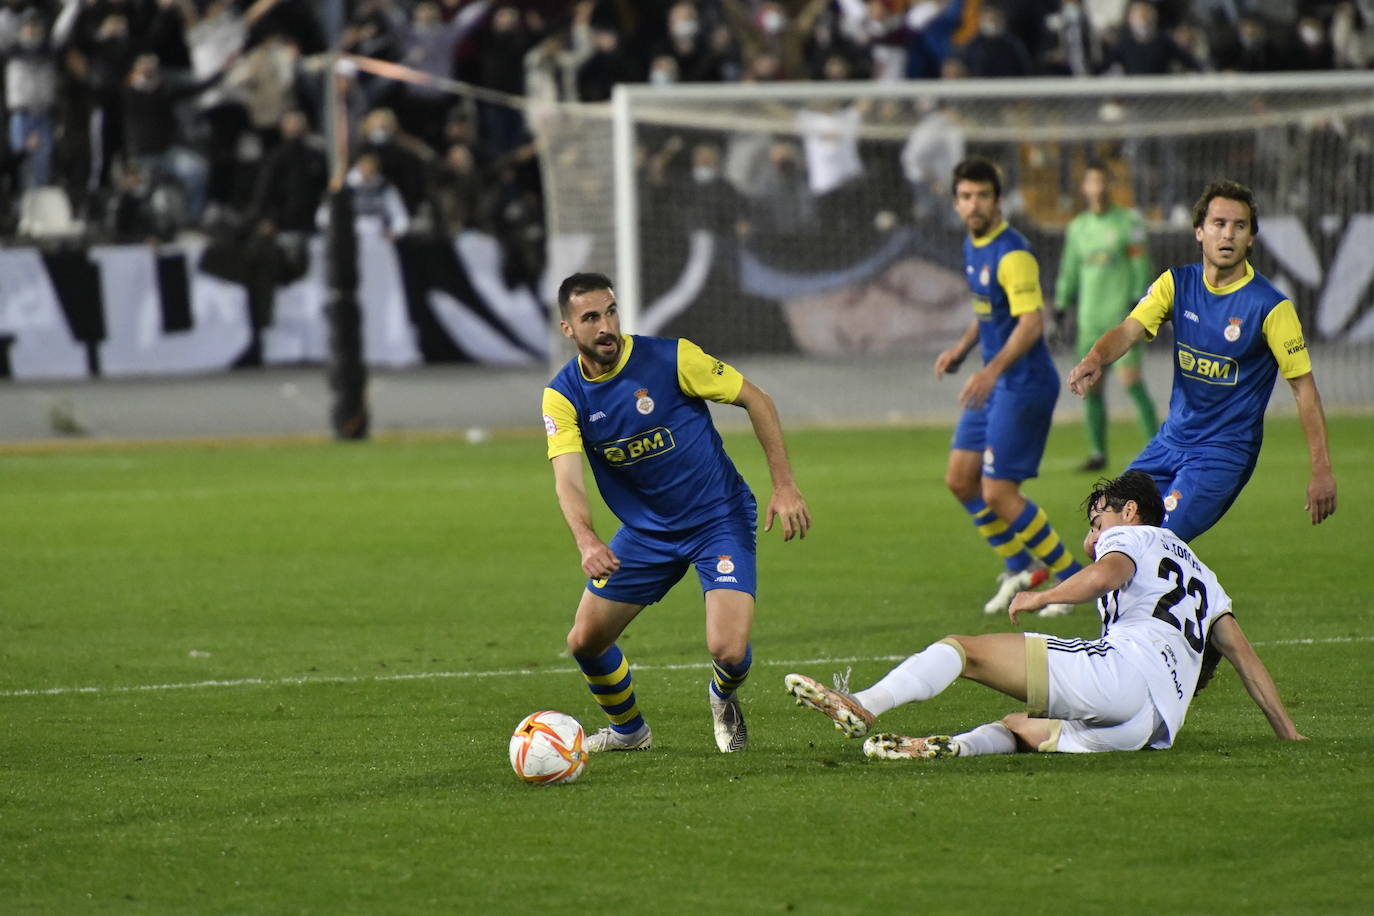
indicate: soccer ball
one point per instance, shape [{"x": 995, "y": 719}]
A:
[{"x": 546, "y": 748}]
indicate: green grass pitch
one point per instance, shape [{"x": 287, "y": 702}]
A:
[{"x": 299, "y": 665}]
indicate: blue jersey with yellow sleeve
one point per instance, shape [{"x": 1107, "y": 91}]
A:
[
  {"x": 1229, "y": 343},
  {"x": 648, "y": 435},
  {"x": 1004, "y": 277}
]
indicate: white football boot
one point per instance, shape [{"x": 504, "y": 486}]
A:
[
  {"x": 728, "y": 723},
  {"x": 608, "y": 739}
]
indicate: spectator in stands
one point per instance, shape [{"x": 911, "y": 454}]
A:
[
  {"x": 501, "y": 66},
  {"x": 607, "y": 66},
  {"x": 213, "y": 38},
  {"x": 1352, "y": 34},
  {"x": 151, "y": 129},
  {"x": 1144, "y": 48},
  {"x": 933, "y": 148},
  {"x": 782, "y": 205},
  {"x": 98, "y": 58},
  {"x": 128, "y": 214},
  {"x": 663, "y": 70},
  {"x": 165, "y": 35},
  {"x": 1311, "y": 50},
  {"x": 403, "y": 159},
  {"x": 996, "y": 52},
  {"x": 378, "y": 210},
  {"x": 291, "y": 182},
  {"x": 428, "y": 46},
  {"x": 725, "y": 51},
  {"x": 687, "y": 45},
  {"x": 714, "y": 204},
  {"x": 1252, "y": 51},
  {"x": 929, "y": 35},
  {"x": 773, "y": 29},
  {"x": 518, "y": 217},
  {"x": 1194, "y": 41},
  {"x": 458, "y": 188},
  {"x": 1075, "y": 49},
  {"x": 30, "y": 97}
]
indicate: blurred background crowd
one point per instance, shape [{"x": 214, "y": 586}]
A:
[{"x": 136, "y": 119}]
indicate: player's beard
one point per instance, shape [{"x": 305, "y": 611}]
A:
[{"x": 603, "y": 358}]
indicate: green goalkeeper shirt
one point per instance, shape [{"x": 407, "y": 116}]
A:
[{"x": 1105, "y": 268}]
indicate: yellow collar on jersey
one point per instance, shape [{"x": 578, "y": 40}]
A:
[
  {"x": 1229, "y": 287},
  {"x": 626, "y": 345},
  {"x": 987, "y": 239}
]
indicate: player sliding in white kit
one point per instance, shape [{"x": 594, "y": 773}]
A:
[{"x": 1165, "y": 623}]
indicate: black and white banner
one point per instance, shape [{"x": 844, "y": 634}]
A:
[{"x": 141, "y": 310}]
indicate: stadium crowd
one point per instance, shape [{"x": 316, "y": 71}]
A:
[{"x": 151, "y": 117}]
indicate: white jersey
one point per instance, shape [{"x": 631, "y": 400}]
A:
[{"x": 1161, "y": 618}]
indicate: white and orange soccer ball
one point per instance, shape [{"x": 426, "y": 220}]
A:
[{"x": 546, "y": 748}]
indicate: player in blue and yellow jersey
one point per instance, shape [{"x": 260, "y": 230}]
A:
[
  {"x": 1234, "y": 332},
  {"x": 1009, "y": 403},
  {"x": 636, "y": 407}
]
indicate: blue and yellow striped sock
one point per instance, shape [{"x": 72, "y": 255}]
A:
[
  {"x": 998, "y": 535},
  {"x": 726, "y": 679},
  {"x": 608, "y": 678},
  {"x": 1032, "y": 528}
]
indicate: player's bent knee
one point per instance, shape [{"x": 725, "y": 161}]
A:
[
  {"x": 964, "y": 490},
  {"x": 1031, "y": 734},
  {"x": 586, "y": 643},
  {"x": 729, "y": 651}
]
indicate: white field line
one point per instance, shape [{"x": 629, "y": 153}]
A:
[{"x": 305, "y": 680}]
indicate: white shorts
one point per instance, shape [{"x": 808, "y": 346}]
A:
[{"x": 1099, "y": 700}]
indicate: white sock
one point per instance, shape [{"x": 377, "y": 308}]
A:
[
  {"x": 993, "y": 738},
  {"x": 920, "y": 677}
]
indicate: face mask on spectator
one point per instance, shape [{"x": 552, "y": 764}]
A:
[
  {"x": 991, "y": 28},
  {"x": 661, "y": 77},
  {"x": 703, "y": 174},
  {"x": 685, "y": 29},
  {"x": 379, "y": 135},
  {"x": 1142, "y": 29},
  {"x": 772, "y": 22},
  {"x": 1311, "y": 35}
]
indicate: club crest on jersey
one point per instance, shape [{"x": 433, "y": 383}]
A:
[
  {"x": 1171, "y": 501},
  {"x": 1232, "y": 332},
  {"x": 643, "y": 403},
  {"x": 984, "y": 276},
  {"x": 725, "y": 566}
]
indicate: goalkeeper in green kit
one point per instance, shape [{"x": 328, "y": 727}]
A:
[{"x": 1105, "y": 269}]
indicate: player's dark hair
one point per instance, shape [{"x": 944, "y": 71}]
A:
[
  {"x": 1132, "y": 486},
  {"x": 1097, "y": 165},
  {"x": 577, "y": 284},
  {"x": 1227, "y": 190},
  {"x": 979, "y": 170}
]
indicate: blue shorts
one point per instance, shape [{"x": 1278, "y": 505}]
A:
[
  {"x": 1010, "y": 430},
  {"x": 1198, "y": 485},
  {"x": 723, "y": 552}
]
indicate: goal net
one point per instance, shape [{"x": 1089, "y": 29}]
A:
[{"x": 809, "y": 227}]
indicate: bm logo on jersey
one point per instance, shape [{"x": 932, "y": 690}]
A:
[
  {"x": 624, "y": 452},
  {"x": 1207, "y": 367}
]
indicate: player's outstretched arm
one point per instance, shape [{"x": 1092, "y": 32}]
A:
[
  {"x": 1088, "y": 584},
  {"x": 1109, "y": 348},
  {"x": 1321, "y": 488},
  {"x": 786, "y": 504},
  {"x": 598, "y": 560},
  {"x": 1230, "y": 639}
]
